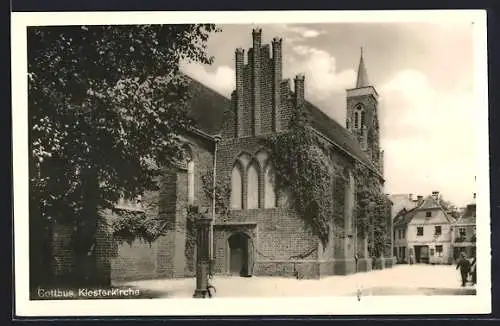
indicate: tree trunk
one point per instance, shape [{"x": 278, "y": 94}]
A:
[{"x": 86, "y": 271}]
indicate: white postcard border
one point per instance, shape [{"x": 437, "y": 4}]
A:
[{"x": 391, "y": 305}]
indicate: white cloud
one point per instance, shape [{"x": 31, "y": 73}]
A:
[
  {"x": 302, "y": 31},
  {"x": 222, "y": 79},
  {"x": 324, "y": 83},
  {"x": 429, "y": 138}
]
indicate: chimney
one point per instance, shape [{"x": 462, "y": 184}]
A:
[
  {"x": 435, "y": 195},
  {"x": 239, "y": 65},
  {"x": 299, "y": 90},
  {"x": 277, "y": 76},
  {"x": 256, "y": 76},
  {"x": 410, "y": 196},
  {"x": 419, "y": 198}
]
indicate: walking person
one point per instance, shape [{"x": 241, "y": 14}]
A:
[
  {"x": 356, "y": 257},
  {"x": 473, "y": 270},
  {"x": 464, "y": 265}
]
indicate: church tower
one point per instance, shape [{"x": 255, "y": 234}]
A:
[{"x": 362, "y": 115}]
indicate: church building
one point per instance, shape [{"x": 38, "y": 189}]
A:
[{"x": 261, "y": 234}]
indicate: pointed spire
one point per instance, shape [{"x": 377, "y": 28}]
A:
[{"x": 362, "y": 80}]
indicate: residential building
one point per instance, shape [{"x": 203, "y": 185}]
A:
[
  {"x": 464, "y": 233},
  {"x": 429, "y": 232},
  {"x": 403, "y": 201},
  {"x": 425, "y": 232}
]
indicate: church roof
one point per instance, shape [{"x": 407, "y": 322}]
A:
[
  {"x": 209, "y": 109},
  {"x": 337, "y": 134},
  {"x": 362, "y": 80}
]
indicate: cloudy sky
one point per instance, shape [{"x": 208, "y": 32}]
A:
[{"x": 423, "y": 73}]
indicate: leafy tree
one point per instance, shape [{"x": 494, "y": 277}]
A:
[{"x": 105, "y": 104}]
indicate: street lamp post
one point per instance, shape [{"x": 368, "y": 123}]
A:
[{"x": 202, "y": 223}]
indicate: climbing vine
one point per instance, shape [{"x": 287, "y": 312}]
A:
[
  {"x": 222, "y": 193},
  {"x": 142, "y": 223},
  {"x": 372, "y": 212},
  {"x": 129, "y": 226},
  {"x": 302, "y": 166}
]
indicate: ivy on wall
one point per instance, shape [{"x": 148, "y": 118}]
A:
[
  {"x": 129, "y": 226},
  {"x": 222, "y": 193},
  {"x": 303, "y": 166},
  {"x": 372, "y": 212},
  {"x": 143, "y": 224}
]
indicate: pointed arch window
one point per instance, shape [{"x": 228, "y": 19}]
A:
[
  {"x": 188, "y": 164},
  {"x": 359, "y": 116},
  {"x": 190, "y": 177},
  {"x": 236, "y": 187},
  {"x": 253, "y": 186},
  {"x": 269, "y": 187}
]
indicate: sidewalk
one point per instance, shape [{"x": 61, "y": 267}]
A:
[{"x": 399, "y": 280}]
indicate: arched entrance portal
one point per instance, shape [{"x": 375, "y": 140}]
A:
[{"x": 240, "y": 254}]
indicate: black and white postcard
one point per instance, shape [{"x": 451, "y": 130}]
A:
[{"x": 312, "y": 162}]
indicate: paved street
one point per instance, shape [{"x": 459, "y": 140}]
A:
[{"x": 399, "y": 280}]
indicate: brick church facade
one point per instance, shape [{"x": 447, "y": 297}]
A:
[{"x": 262, "y": 234}]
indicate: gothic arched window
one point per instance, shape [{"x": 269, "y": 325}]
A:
[
  {"x": 236, "y": 187},
  {"x": 190, "y": 175},
  {"x": 253, "y": 186},
  {"x": 188, "y": 164},
  {"x": 359, "y": 116},
  {"x": 269, "y": 187}
]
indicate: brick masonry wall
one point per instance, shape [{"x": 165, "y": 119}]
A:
[
  {"x": 171, "y": 255},
  {"x": 281, "y": 233},
  {"x": 62, "y": 256}
]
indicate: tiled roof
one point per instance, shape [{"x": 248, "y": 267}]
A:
[
  {"x": 405, "y": 216},
  {"x": 430, "y": 203},
  {"x": 469, "y": 216},
  {"x": 336, "y": 133},
  {"x": 207, "y": 107}
]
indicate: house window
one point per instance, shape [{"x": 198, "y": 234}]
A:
[
  {"x": 356, "y": 120},
  {"x": 253, "y": 187},
  {"x": 439, "y": 251},
  {"x": 431, "y": 252},
  {"x": 437, "y": 230},
  {"x": 462, "y": 232},
  {"x": 420, "y": 231},
  {"x": 236, "y": 187},
  {"x": 269, "y": 188},
  {"x": 428, "y": 214}
]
